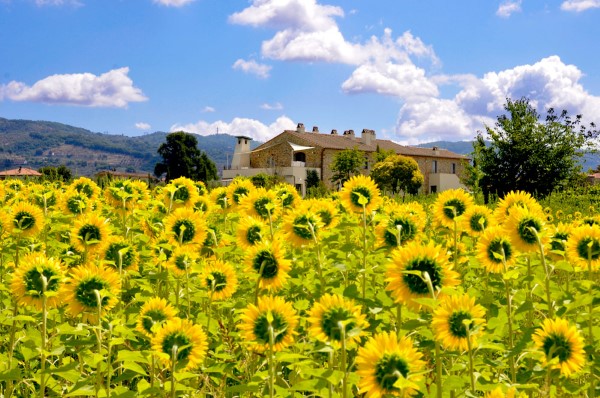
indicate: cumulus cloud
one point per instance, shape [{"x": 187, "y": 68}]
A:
[
  {"x": 252, "y": 67},
  {"x": 208, "y": 109},
  {"x": 239, "y": 126},
  {"x": 509, "y": 7},
  {"x": 111, "y": 89},
  {"x": 272, "y": 107},
  {"x": 548, "y": 83},
  {"x": 143, "y": 126},
  {"x": 173, "y": 3},
  {"x": 579, "y": 5}
]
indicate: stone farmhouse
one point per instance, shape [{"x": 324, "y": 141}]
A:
[{"x": 293, "y": 152}]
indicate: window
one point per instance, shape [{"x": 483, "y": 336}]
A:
[
  {"x": 453, "y": 168},
  {"x": 433, "y": 189},
  {"x": 435, "y": 166},
  {"x": 299, "y": 157}
]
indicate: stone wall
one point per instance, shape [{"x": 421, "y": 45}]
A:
[{"x": 280, "y": 153}]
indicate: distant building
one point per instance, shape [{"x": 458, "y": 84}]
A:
[
  {"x": 293, "y": 152},
  {"x": 21, "y": 172}
]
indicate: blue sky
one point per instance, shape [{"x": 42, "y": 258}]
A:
[{"x": 414, "y": 71}]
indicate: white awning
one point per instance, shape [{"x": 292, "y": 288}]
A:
[{"x": 297, "y": 148}]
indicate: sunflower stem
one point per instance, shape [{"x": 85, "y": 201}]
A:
[
  {"x": 11, "y": 348},
  {"x": 209, "y": 308},
  {"x": 174, "y": 351},
  {"x": 364, "y": 264},
  {"x": 331, "y": 353},
  {"x": 511, "y": 344},
  {"x": 256, "y": 293},
  {"x": 547, "y": 271},
  {"x": 270, "y": 223},
  {"x": 44, "y": 337},
  {"x": 529, "y": 294},
  {"x": 470, "y": 353},
  {"x": 438, "y": 370},
  {"x": 319, "y": 258},
  {"x": 187, "y": 289},
  {"x": 591, "y": 317},
  {"x": 271, "y": 361},
  {"x": 99, "y": 338},
  {"x": 398, "y": 317},
  {"x": 342, "y": 327}
]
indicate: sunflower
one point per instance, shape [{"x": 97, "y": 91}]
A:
[
  {"x": 153, "y": 314},
  {"x": 431, "y": 259},
  {"x": 557, "y": 339},
  {"x": 251, "y": 231},
  {"x": 28, "y": 285},
  {"x": 451, "y": 204},
  {"x": 220, "y": 279},
  {"x": 119, "y": 251},
  {"x": 261, "y": 203},
  {"x": 326, "y": 315},
  {"x": 583, "y": 247},
  {"x": 180, "y": 192},
  {"x": 44, "y": 196},
  {"x": 219, "y": 198},
  {"x": 185, "y": 226},
  {"x": 90, "y": 234},
  {"x": 140, "y": 192},
  {"x": 494, "y": 248},
  {"x": 238, "y": 188},
  {"x": 201, "y": 188},
  {"x": 83, "y": 285},
  {"x": 383, "y": 360},
  {"x": 75, "y": 202},
  {"x": 287, "y": 195},
  {"x": 5, "y": 223},
  {"x": 204, "y": 204},
  {"x": 499, "y": 393},
  {"x": 301, "y": 226},
  {"x": 558, "y": 238},
  {"x": 27, "y": 220},
  {"x": 360, "y": 191},
  {"x": 396, "y": 226},
  {"x": 476, "y": 219},
  {"x": 326, "y": 210},
  {"x": 13, "y": 189},
  {"x": 267, "y": 259},
  {"x": 120, "y": 194},
  {"x": 516, "y": 199},
  {"x": 270, "y": 312},
  {"x": 183, "y": 338},
  {"x": 520, "y": 226},
  {"x": 87, "y": 187},
  {"x": 449, "y": 318},
  {"x": 181, "y": 259}
]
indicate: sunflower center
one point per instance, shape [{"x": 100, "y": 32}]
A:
[
  {"x": 238, "y": 193},
  {"x": 222, "y": 200},
  {"x": 260, "y": 206},
  {"x": 478, "y": 222},
  {"x": 357, "y": 192},
  {"x": 388, "y": 370},
  {"x": 253, "y": 235},
  {"x": 76, "y": 204},
  {"x": 331, "y": 322},
  {"x": 261, "y": 327},
  {"x": 85, "y": 189},
  {"x": 182, "y": 262},
  {"x": 496, "y": 246},
  {"x": 181, "y": 194},
  {"x": 201, "y": 205},
  {"x": 556, "y": 345},
  {"x": 456, "y": 325},
  {"x": 301, "y": 226},
  {"x": 287, "y": 198},
  {"x": 588, "y": 248},
  {"x": 454, "y": 208},
  {"x": 326, "y": 216},
  {"x": 525, "y": 231},
  {"x": 184, "y": 230},
  {"x": 89, "y": 233},
  {"x": 183, "y": 343},
  {"x": 408, "y": 230},
  {"x": 266, "y": 261},
  {"x": 85, "y": 291},
  {"x": 24, "y": 220},
  {"x": 34, "y": 284},
  {"x": 217, "y": 281},
  {"x": 126, "y": 258},
  {"x": 415, "y": 283},
  {"x": 151, "y": 318},
  {"x": 558, "y": 241},
  {"x": 591, "y": 221}
]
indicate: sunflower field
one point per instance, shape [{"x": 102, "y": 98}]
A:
[{"x": 178, "y": 291}]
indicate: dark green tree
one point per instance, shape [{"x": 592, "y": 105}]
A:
[
  {"x": 60, "y": 173},
  {"x": 527, "y": 154},
  {"x": 398, "y": 173},
  {"x": 312, "y": 178},
  {"x": 345, "y": 164},
  {"x": 182, "y": 158}
]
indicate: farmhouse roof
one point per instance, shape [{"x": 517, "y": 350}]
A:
[{"x": 21, "y": 171}]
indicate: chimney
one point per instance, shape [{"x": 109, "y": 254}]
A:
[
  {"x": 315, "y": 129},
  {"x": 349, "y": 133},
  {"x": 300, "y": 128},
  {"x": 435, "y": 148},
  {"x": 334, "y": 132},
  {"x": 241, "y": 154},
  {"x": 368, "y": 137}
]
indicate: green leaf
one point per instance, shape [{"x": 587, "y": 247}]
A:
[{"x": 11, "y": 374}]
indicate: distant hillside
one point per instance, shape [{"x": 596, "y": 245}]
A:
[{"x": 40, "y": 143}]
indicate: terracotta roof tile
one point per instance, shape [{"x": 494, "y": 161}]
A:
[{"x": 21, "y": 171}]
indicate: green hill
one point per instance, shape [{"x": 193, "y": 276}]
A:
[{"x": 40, "y": 143}]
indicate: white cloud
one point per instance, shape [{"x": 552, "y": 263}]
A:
[
  {"x": 208, "y": 109},
  {"x": 173, "y": 3},
  {"x": 252, "y": 67},
  {"x": 272, "y": 107},
  {"x": 508, "y": 7},
  {"x": 579, "y": 5},
  {"x": 143, "y": 126},
  {"x": 238, "y": 126},
  {"x": 111, "y": 89}
]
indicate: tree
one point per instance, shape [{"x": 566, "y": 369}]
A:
[
  {"x": 398, "y": 173},
  {"x": 527, "y": 154},
  {"x": 345, "y": 164},
  {"x": 60, "y": 173},
  {"x": 182, "y": 158},
  {"x": 312, "y": 178}
]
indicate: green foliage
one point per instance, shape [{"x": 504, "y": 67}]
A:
[
  {"x": 312, "y": 178},
  {"x": 182, "y": 158},
  {"x": 530, "y": 155},
  {"x": 264, "y": 180},
  {"x": 61, "y": 173},
  {"x": 319, "y": 191},
  {"x": 347, "y": 163},
  {"x": 381, "y": 154},
  {"x": 398, "y": 173}
]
